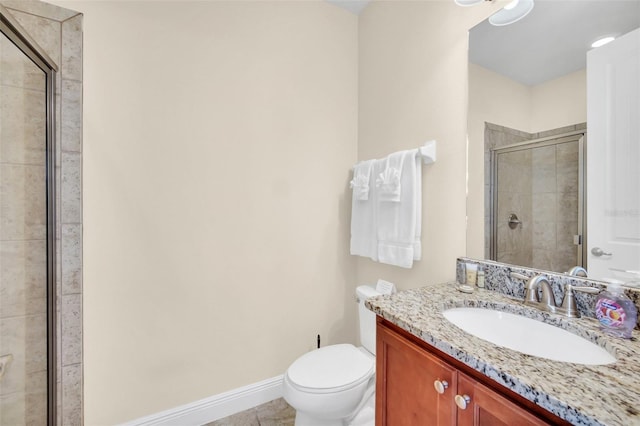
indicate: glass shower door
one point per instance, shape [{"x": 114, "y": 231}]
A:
[
  {"x": 538, "y": 203},
  {"x": 24, "y": 267}
]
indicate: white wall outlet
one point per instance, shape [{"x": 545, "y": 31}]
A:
[{"x": 5, "y": 360}]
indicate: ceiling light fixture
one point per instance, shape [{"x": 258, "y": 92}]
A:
[
  {"x": 511, "y": 5},
  {"x": 513, "y": 12},
  {"x": 467, "y": 2},
  {"x": 602, "y": 41}
]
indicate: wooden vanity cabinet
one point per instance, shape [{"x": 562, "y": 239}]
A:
[
  {"x": 405, "y": 375},
  {"x": 416, "y": 385},
  {"x": 488, "y": 407}
]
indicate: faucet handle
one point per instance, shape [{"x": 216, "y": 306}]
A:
[
  {"x": 530, "y": 288},
  {"x": 519, "y": 276},
  {"x": 584, "y": 289},
  {"x": 569, "y": 307}
]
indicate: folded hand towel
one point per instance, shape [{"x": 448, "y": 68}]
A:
[
  {"x": 388, "y": 181},
  {"x": 360, "y": 181},
  {"x": 363, "y": 221}
]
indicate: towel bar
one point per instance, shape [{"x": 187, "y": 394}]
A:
[{"x": 428, "y": 152}]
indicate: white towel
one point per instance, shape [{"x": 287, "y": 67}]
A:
[
  {"x": 399, "y": 222},
  {"x": 388, "y": 181},
  {"x": 417, "y": 244},
  {"x": 360, "y": 182},
  {"x": 363, "y": 211}
]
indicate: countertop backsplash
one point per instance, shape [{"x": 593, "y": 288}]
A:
[{"x": 497, "y": 278}]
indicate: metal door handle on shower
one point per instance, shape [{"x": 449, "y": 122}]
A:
[
  {"x": 597, "y": 252},
  {"x": 513, "y": 221}
]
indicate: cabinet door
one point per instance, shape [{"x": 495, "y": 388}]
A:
[
  {"x": 405, "y": 391},
  {"x": 485, "y": 407}
]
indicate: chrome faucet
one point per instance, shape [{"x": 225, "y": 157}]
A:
[
  {"x": 578, "y": 271},
  {"x": 546, "y": 302}
]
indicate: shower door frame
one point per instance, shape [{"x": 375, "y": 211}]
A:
[
  {"x": 11, "y": 29},
  {"x": 578, "y": 135}
]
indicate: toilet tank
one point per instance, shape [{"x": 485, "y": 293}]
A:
[{"x": 367, "y": 319}]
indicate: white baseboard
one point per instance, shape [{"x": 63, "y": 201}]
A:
[{"x": 215, "y": 407}]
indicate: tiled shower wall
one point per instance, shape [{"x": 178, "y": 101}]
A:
[
  {"x": 555, "y": 206},
  {"x": 23, "y": 239},
  {"x": 515, "y": 177},
  {"x": 496, "y": 136},
  {"x": 58, "y": 32},
  {"x": 540, "y": 186}
]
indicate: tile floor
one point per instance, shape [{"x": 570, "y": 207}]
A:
[
  {"x": 273, "y": 413},
  {"x": 279, "y": 413}
]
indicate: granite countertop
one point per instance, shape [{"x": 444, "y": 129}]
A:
[{"x": 606, "y": 395}]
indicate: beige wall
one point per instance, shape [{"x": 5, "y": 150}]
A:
[
  {"x": 499, "y": 100},
  {"x": 560, "y": 102},
  {"x": 413, "y": 88},
  {"x": 494, "y": 99},
  {"x": 219, "y": 140}
]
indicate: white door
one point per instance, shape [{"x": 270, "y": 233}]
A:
[{"x": 613, "y": 157}]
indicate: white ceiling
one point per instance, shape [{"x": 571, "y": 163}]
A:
[{"x": 552, "y": 40}]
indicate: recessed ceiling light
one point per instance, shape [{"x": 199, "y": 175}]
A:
[
  {"x": 513, "y": 12},
  {"x": 511, "y": 5},
  {"x": 467, "y": 2},
  {"x": 602, "y": 41}
]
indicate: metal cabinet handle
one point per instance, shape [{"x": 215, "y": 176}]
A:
[
  {"x": 462, "y": 401},
  {"x": 597, "y": 252},
  {"x": 440, "y": 386}
]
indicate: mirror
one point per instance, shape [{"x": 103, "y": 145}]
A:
[{"x": 527, "y": 84}]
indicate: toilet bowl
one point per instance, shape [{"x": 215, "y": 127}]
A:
[{"x": 328, "y": 386}]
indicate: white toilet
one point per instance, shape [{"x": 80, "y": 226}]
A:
[{"x": 330, "y": 385}]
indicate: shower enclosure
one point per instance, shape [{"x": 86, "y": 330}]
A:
[
  {"x": 537, "y": 202},
  {"x": 27, "y": 230}
]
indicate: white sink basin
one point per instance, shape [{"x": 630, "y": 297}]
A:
[{"x": 528, "y": 336}]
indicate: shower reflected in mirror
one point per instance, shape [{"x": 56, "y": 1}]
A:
[{"x": 536, "y": 214}]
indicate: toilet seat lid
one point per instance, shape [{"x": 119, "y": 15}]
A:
[{"x": 331, "y": 367}]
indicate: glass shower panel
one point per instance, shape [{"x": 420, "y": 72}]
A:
[
  {"x": 537, "y": 205},
  {"x": 23, "y": 239},
  {"x": 514, "y": 198},
  {"x": 544, "y": 201},
  {"x": 567, "y": 205}
]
